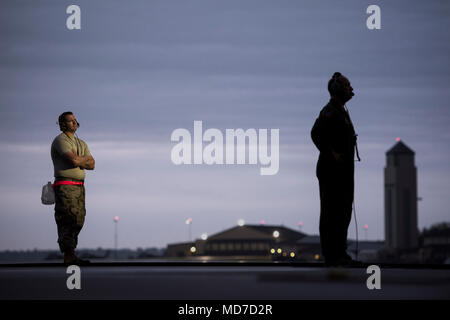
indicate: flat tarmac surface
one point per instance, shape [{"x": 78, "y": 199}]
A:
[{"x": 219, "y": 282}]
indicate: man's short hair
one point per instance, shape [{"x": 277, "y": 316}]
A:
[
  {"x": 62, "y": 120},
  {"x": 335, "y": 84}
]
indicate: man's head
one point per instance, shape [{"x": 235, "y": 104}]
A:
[
  {"x": 339, "y": 87},
  {"x": 68, "y": 122}
]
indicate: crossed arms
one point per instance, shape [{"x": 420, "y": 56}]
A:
[{"x": 84, "y": 162}]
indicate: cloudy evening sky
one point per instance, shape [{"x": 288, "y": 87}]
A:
[{"x": 137, "y": 70}]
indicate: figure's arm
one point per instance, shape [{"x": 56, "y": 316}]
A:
[
  {"x": 90, "y": 164},
  {"x": 84, "y": 162},
  {"x": 322, "y": 133},
  {"x": 91, "y": 161}
]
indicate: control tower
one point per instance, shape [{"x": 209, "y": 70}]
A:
[{"x": 400, "y": 198}]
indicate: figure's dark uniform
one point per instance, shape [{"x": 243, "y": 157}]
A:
[{"x": 333, "y": 131}]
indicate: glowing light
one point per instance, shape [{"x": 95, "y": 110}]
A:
[
  {"x": 316, "y": 257},
  {"x": 116, "y": 219},
  {"x": 204, "y": 236},
  {"x": 292, "y": 254},
  {"x": 263, "y": 222},
  {"x": 300, "y": 224},
  {"x": 366, "y": 226},
  {"x": 397, "y": 139},
  {"x": 279, "y": 250},
  {"x": 193, "y": 249},
  {"x": 272, "y": 251},
  {"x": 188, "y": 220},
  {"x": 276, "y": 234},
  {"x": 241, "y": 222}
]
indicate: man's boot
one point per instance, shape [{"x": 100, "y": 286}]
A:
[{"x": 71, "y": 258}]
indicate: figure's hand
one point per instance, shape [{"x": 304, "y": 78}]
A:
[
  {"x": 90, "y": 163},
  {"x": 339, "y": 157}
]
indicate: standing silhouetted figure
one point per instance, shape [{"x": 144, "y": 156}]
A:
[{"x": 334, "y": 136}]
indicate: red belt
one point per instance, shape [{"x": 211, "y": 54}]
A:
[{"x": 58, "y": 183}]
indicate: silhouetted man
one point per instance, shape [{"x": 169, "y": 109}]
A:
[
  {"x": 334, "y": 136},
  {"x": 70, "y": 156}
]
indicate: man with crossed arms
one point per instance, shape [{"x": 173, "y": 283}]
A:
[{"x": 70, "y": 156}]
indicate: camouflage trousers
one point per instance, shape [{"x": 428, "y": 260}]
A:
[{"x": 70, "y": 212}]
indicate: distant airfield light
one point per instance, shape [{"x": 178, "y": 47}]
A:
[
  {"x": 116, "y": 219},
  {"x": 263, "y": 222},
  {"x": 366, "y": 226},
  {"x": 204, "y": 236},
  {"x": 188, "y": 220},
  {"x": 193, "y": 249},
  {"x": 276, "y": 234},
  {"x": 397, "y": 139},
  {"x": 241, "y": 222},
  {"x": 300, "y": 224}
]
